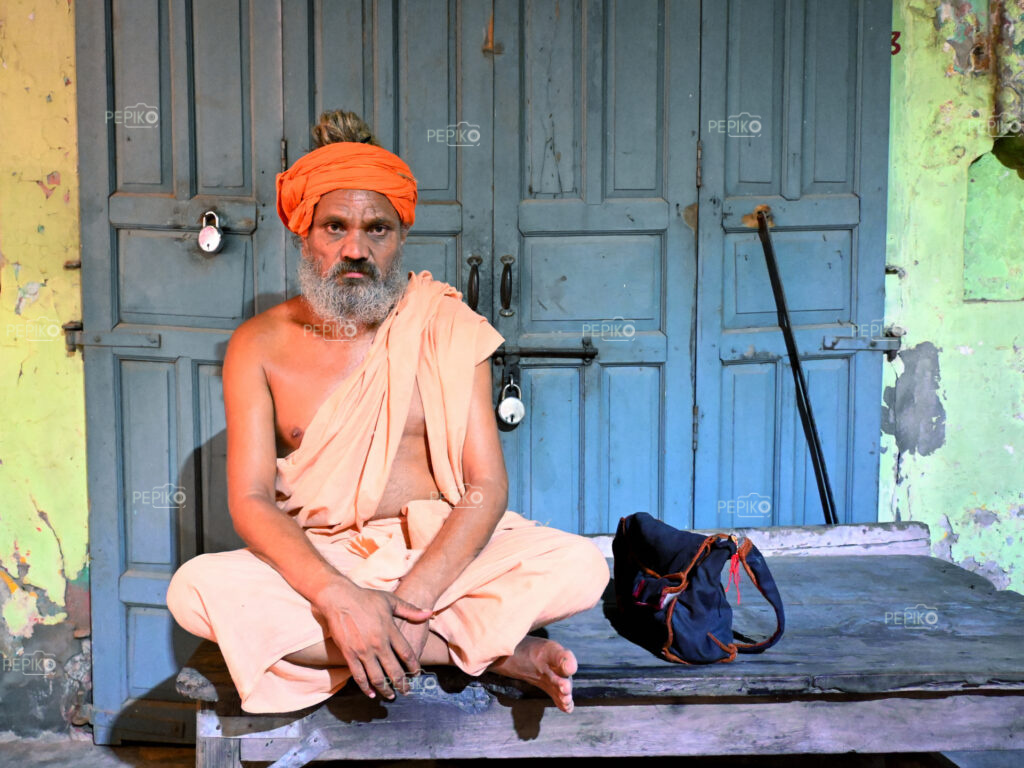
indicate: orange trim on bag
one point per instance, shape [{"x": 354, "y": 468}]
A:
[
  {"x": 730, "y": 649},
  {"x": 702, "y": 551}
]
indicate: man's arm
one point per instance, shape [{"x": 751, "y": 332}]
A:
[
  {"x": 252, "y": 468},
  {"x": 472, "y": 521},
  {"x": 360, "y": 621}
]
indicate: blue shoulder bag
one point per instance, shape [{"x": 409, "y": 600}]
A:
[{"x": 668, "y": 589}]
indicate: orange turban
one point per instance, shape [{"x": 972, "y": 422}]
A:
[{"x": 343, "y": 165}]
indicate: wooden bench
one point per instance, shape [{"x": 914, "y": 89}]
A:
[{"x": 886, "y": 650}]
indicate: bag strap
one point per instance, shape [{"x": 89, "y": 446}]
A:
[{"x": 757, "y": 569}]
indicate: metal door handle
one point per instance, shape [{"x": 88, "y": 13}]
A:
[
  {"x": 473, "y": 282},
  {"x": 506, "y": 286}
]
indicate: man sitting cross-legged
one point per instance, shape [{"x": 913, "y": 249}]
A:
[{"x": 365, "y": 473}]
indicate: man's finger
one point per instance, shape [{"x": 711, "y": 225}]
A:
[
  {"x": 404, "y": 610},
  {"x": 403, "y": 648},
  {"x": 394, "y": 671},
  {"x": 378, "y": 678},
  {"x": 355, "y": 666}
]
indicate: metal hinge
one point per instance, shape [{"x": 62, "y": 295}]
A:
[
  {"x": 284, "y": 155},
  {"x": 696, "y": 426},
  {"x": 700, "y": 154}
]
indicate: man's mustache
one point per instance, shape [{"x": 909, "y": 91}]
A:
[{"x": 362, "y": 267}]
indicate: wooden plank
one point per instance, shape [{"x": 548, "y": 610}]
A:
[
  {"x": 854, "y": 624},
  {"x": 1001, "y": 759},
  {"x": 218, "y": 753},
  {"x": 211, "y": 725},
  {"x": 851, "y": 626},
  {"x": 910, "y": 538},
  {"x": 533, "y": 729},
  {"x": 887, "y": 654}
]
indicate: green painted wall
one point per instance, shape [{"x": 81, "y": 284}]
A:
[
  {"x": 954, "y": 458},
  {"x": 954, "y": 400}
]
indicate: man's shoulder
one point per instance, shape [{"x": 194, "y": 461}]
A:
[{"x": 262, "y": 331}]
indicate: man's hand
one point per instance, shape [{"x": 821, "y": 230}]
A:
[
  {"x": 362, "y": 625},
  {"x": 415, "y": 634}
]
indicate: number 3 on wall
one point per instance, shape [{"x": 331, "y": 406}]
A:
[{"x": 896, "y": 47}]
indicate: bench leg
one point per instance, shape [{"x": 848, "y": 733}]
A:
[{"x": 218, "y": 752}]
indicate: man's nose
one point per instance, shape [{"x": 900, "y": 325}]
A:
[{"x": 354, "y": 245}]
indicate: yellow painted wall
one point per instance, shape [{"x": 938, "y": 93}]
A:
[{"x": 43, "y": 505}]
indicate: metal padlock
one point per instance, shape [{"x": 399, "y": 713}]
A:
[
  {"x": 510, "y": 408},
  {"x": 211, "y": 239}
]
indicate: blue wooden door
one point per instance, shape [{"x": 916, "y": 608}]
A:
[
  {"x": 179, "y": 113},
  {"x": 185, "y": 109},
  {"x": 595, "y": 127},
  {"x": 557, "y": 140},
  {"x": 794, "y": 115}
]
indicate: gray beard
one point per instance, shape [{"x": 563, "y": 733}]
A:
[{"x": 362, "y": 301}]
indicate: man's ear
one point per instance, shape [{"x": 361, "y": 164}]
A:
[{"x": 403, "y": 232}]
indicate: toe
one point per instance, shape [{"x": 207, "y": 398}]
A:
[{"x": 567, "y": 664}]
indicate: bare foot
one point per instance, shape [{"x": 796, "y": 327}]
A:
[{"x": 545, "y": 664}]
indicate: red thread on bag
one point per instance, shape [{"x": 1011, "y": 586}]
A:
[{"x": 734, "y": 576}]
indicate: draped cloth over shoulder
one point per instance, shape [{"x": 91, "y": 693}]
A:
[
  {"x": 526, "y": 576},
  {"x": 336, "y": 477}
]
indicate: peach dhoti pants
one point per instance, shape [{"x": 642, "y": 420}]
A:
[{"x": 526, "y": 576}]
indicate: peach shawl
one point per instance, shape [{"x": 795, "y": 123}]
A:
[{"x": 335, "y": 479}]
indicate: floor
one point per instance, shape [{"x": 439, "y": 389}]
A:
[{"x": 79, "y": 752}]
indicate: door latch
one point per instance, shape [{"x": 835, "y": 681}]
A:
[
  {"x": 888, "y": 342},
  {"x": 75, "y": 337}
]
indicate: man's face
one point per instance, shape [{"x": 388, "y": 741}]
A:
[{"x": 350, "y": 269}]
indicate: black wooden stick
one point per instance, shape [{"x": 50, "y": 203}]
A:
[{"x": 803, "y": 401}]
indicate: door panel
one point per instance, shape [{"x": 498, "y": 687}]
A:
[
  {"x": 595, "y": 122},
  {"x": 815, "y": 76},
  {"x": 198, "y": 121}
]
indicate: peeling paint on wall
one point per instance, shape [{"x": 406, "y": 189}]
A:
[
  {"x": 989, "y": 569},
  {"x": 965, "y": 482},
  {"x": 1008, "y": 22},
  {"x": 913, "y": 412},
  {"x": 44, "y": 620},
  {"x": 993, "y": 256},
  {"x": 965, "y": 32}
]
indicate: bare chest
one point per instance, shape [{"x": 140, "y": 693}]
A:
[{"x": 301, "y": 382}]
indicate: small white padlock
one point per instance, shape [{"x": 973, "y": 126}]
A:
[
  {"x": 510, "y": 408},
  {"x": 211, "y": 239}
]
